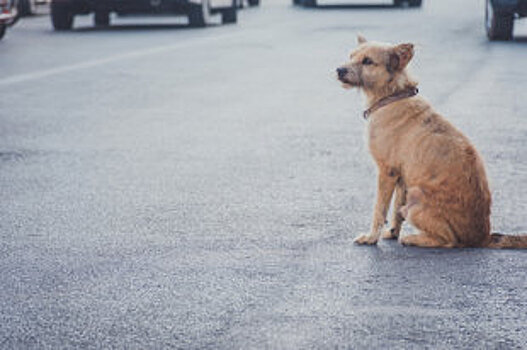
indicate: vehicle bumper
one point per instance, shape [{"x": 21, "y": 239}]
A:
[
  {"x": 7, "y": 18},
  {"x": 138, "y": 6}
]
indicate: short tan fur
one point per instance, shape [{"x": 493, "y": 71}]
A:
[{"x": 436, "y": 175}]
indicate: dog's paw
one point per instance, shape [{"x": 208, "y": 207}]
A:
[
  {"x": 404, "y": 241},
  {"x": 368, "y": 239},
  {"x": 407, "y": 240},
  {"x": 390, "y": 234}
]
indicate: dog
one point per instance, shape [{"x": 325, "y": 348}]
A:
[{"x": 436, "y": 174}]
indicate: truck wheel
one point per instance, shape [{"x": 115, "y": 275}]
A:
[
  {"x": 409, "y": 3},
  {"x": 254, "y": 2},
  {"x": 101, "y": 18},
  {"x": 499, "y": 26},
  {"x": 199, "y": 15},
  {"x": 230, "y": 15},
  {"x": 61, "y": 16},
  {"x": 25, "y": 8},
  {"x": 2, "y": 30}
]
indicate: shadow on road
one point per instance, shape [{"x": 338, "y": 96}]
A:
[
  {"x": 520, "y": 39},
  {"x": 358, "y": 7},
  {"x": 136, "y": 27}
]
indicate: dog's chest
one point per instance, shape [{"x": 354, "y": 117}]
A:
[{"x": 381, "y": 141}]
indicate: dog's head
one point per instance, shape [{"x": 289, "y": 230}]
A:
[{"x": 373, "y": 66}]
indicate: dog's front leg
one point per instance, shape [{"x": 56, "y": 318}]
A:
[
  {"x": 397, "y": 217},
  {"x": 385, "y": 186}
]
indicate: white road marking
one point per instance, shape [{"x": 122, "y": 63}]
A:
[{"x": 21, "y": 78}]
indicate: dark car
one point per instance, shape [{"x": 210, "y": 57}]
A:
[
  {"x": 410, "y": 3},
  {"x": 499, "y": 17},
  {"x": 8, "y": 15},
  {"x": 198, "y": 11}
]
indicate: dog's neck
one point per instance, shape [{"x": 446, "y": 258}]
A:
[
  {"x": 398, "y": 84},
  {"x": 410, "y": 92}
]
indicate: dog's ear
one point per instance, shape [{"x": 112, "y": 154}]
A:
[
  {"x": 400, "y": 55},
  {"x": 361, "y": 39}
]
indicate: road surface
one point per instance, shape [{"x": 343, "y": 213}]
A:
[{"x": 172, "y": 188}]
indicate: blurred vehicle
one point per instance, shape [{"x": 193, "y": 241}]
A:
[
  {"x": 8, "y": 15},
  {"x": 409, "y": 3},
  {"x": 28, "y": 7},
  {"x": 198, "y": 11},
  {"x": 251, "y": 3},
  {"x": 499, "y": 17}
]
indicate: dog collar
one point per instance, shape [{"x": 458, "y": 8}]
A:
[{"x": 390, "y": 99}]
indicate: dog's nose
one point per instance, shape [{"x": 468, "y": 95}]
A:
[{"x": 341, "y": 72}]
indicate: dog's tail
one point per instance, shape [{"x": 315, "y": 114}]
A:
[{"x": 501, "y": 241}]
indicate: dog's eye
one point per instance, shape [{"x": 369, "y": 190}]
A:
[{"x": 367, "y": 61}]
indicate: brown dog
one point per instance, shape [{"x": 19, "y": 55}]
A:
[{"x": 437, "y": 175}]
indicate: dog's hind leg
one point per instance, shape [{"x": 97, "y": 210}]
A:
[
  {"x": 434, "y": 231},
  {"x": 425, "y": 240},
  {"x": 397, "y": 217}
]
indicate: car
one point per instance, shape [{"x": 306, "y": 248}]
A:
[
  {"x": 8, "y": 15},
  {"x": 500, "y": 15},
  {"x": 198, "y": 11},
  {"x": 410, "y": 3}
]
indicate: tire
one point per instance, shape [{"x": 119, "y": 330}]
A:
[
  {"x": 229, "y": 15},
  {"x": 101, "y": 19},
  {"x": 297, "y": 2},
  {"x": 61, "y": 16},
  {"x": 25, "y": 8},
  {"x": 3, "y": 28},
  {"x": 409, "y": 3},
  {"x": 499, "y": 26},
  {"x": 199, "y": 15},
  {"x": 310, "y": 3},
  {"x": 253, "y": 2}
]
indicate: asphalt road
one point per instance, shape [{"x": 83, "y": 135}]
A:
[{"x": 164, "y": 187}]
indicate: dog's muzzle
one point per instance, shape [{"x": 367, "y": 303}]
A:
[{"x": 341, "y": 73}]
